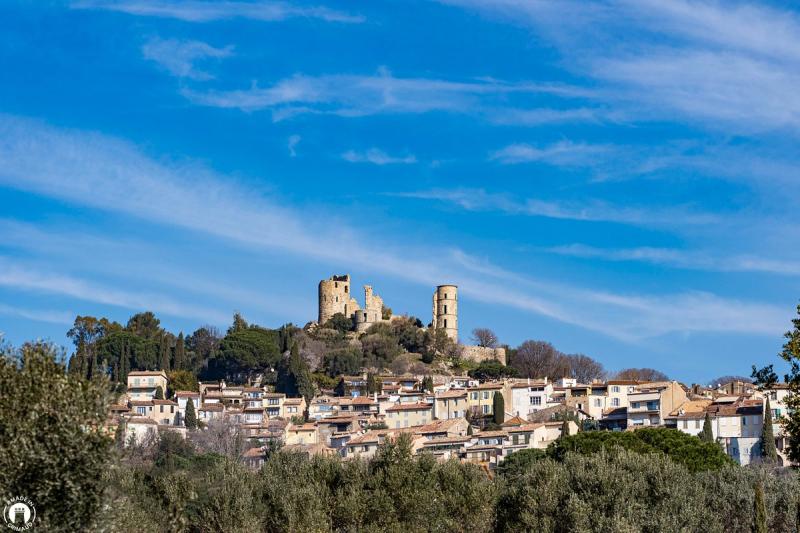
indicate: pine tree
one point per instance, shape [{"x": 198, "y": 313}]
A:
[
  {"x": 498, "y": 408},
  {"x": 760, "y": 510},
  {"x": 180, "y": 353},
  {"x": 768, "y": 450},
  {"x": 707, "y": 435},
  {"x": 190, "y": 420},
  {"x": 159, "y": 393}
]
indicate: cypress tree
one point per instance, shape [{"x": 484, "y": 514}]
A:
[
  {"x": 498, "y": 408},
  {"x": 190, "y": 420},
  {"x": 119, "y": 435},
  {"x": 565, "y": 428},
  {"x": 164, "y": 354},
  {"x": 372, "y": 385},
  {"x": 180, "y": 353},
  {"x": 707, "y": 435},
  {"x": 159, "y": 393},
  {"x": 760, "y": 510},
  {"x": 768, "y": 450}
]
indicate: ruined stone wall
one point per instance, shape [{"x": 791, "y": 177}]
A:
[
  {"x": 372, "y": 312},
  {"x": 479, "y": 353}
]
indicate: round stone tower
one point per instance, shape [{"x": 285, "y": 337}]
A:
[
  {"x": 334, "y": 297},
  {"x": 445, "y": 310}
]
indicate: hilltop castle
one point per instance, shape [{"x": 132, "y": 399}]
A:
[{"x": 335, "y": 296}]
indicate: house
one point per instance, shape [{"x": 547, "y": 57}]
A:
[
  {"x": 452, "y": 427},
  {"x": 736, "y": 425},
  {"x": 617, "y": 391},
  {"x": 323, "y": 407},
  {"x": 481, "y": 398},
  {"x": 294, "y": 407},
  {"x": 364, "y": 445},
  {"x": 359, "y": 405},
  {"x": 143, "y": 384},
  {"x": 352, "y": 386},
  {"x": 140, "y": 429},
  {"x": 444, "y": 448},
  {"x": 450, "y": 404},
  {"x": 182, "y": 397},
  {"x": 301, "y": 434},
  {"x": 273, "y": 403},
  {"x": 210, "y": 411},
  {"x": 405, "y": 415},
  {"x": 166, "y": 413},
  {"x": 653, "y": 402},
  {"x": 529, "y": 396}
]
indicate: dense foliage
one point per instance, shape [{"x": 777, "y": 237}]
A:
[
  {"x": 53, "y": 448},
  {"x": 684, "y": 449}
]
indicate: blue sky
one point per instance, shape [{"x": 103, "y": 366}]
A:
[{"x": 618, "y": 178}]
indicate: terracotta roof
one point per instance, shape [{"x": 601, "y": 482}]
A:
[
  {"x": 212, "y": 407},
  {"x": 524, "y": 384},
  {"x": 419, "y": 406},
  {"x": 274, "y": 395},
  {"x": 514, "y": 421},
  {"x": 439, "y": 426},
  {"x": 252, "y": 389},
  {"x": 365, "y": 438},
  {"x": 141, "y": 403},
  {"x": 691, "y": 409},
  {"x": 292, "y": 401},
  {"x": 141, "y": 420},
  {"x": 523, "y": 429},
  {"x": 453, "y": 393},
  {"x": 302, "y": 427},
  {"x": 447, "y": 440},
  {"x": 164, "y": 402},
  {"x": 488, "y": 385},
  {"x": 187, "y": 393},
  {"x": 147, "y": 373},
  {"x": 254, "y": 409},
  {"x": 490, "y": 434}
]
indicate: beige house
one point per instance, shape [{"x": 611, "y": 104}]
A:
[
  {"x": 294, "y": 407},
  {"x": 273, "y": 404},
  {"x": 301, "y": 434},
  {"x": 142, "y": 384},
  {"x": 480, "y": 399},
  {"x": 652, "y": 403},
  {"x": 450, "y": 404},
  {"x": 405, "y": 415}
]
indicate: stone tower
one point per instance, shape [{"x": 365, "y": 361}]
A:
[
  {"x": 335, "y": 297},
  {"x": 445, "y": 310}
]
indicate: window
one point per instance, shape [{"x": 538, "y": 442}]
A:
[
  {"x": 445, "y": 322},
  {"x": 744, "y": 420},
  {"x": 141, "y": 410},
  {"x": 536, "y": 400},
  {"x": 162, "y": 408},
  {"x": 615, "y": 402},
  {"x": 685, "y": 424},
  {"x": 635, "y": 405},
  {"x": 474, "y": 395},
  {"x": 150, "y": 381},
  {"x": 486, "y": 409},
  {"x": 615, "y": 388},
  {"x": 697, "y": 424},
  {"x": 486, "y": 395},
  {"x": 598, "y": 402},
  {"x": 346, "y": 289},
  {"x": 445, "y": 296},
  {"x": 652, "y": 406},
  {"x": 445, "y": 309}
]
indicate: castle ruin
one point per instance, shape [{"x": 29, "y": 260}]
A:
[{"x": 335, "y": 296}]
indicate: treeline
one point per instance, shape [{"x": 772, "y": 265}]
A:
[{"x": 321, "y": 353}]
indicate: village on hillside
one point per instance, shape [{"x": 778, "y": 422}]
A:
[{"x": 477, "y": 419}]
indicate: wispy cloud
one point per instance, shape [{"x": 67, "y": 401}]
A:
[
  {"x": 108, "y": 174},
  {"x": 590, "y": 211},
  {"x": 179, "y": 57},
  {"x": 724, "y": 65},
  {"x": 205, "y": 11},
  {"x": 686, "y": 259},
  {"x": 363, "y": 95},
  {"x": 25, "y": 277},
  {"x": 377, "y": 157},
  {"x": 37, "y": 315},
  {"x": 562, "y": 153},
  {"x": 294, "y": 140}
]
